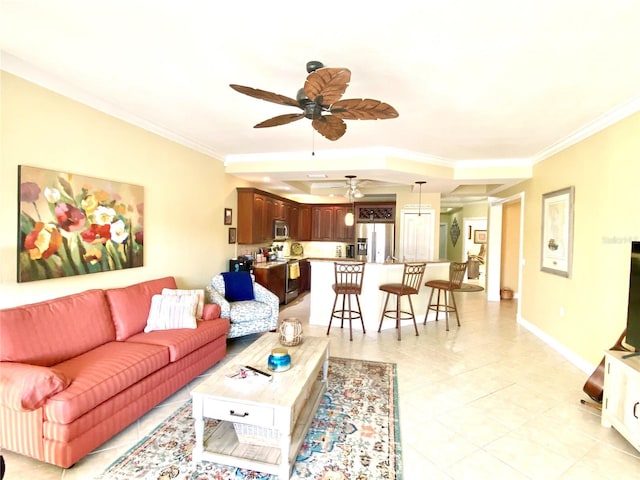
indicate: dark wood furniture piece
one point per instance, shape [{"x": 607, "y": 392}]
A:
[
  {"x": 411, "y": 282},
  {"x": 348, "y": 283},
  {"x": 273, "y": 278}
]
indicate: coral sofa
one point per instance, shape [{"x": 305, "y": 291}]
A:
[{"x": 77, "y": 369}]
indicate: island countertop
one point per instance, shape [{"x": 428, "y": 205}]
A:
[{"x": 371, "y": 299}]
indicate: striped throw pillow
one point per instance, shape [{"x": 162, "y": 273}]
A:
[
  {"x": 199, "y": 293},
  {"x": 172, "y": 311}
]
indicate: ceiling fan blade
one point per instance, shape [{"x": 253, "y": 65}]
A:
[
  {"x": 267, "y": 96},
  {"x": 329, "y": 127},
  {"x": 363, "y": 109},
  {"x": 329, "y": 83},
  {"x": 280, "y": 120}
]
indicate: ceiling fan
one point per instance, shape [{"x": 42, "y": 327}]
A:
[{"x": 320, "y": 102}]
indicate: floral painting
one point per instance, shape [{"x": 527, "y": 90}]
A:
[{"x": 74, "y": 225}]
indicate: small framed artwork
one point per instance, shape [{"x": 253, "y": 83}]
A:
[
  {"x": 228, "y": 216},
  {"x": 232, "y": 235},
  {"x": 479, "y": 236},
  {"x": 557, "y": 232}
]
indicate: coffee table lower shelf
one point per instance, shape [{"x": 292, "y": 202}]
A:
[{"x": 223, "y": 446}]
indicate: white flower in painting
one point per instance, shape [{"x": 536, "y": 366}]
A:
[
  {"x": 52, "y": 194},
  {"x": 104, "y": 215},
  {"x": 119, "y": 232}
]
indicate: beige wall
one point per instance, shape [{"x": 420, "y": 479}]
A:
[
  {"x": 587, "y": 312},
  {"x": 185, "y": 191}
]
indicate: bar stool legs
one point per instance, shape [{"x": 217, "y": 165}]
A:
[
  {"x": 348, "y": 283},
  {"x": 347, "y": 312},
  {"x": 411, "y": 280},
  {"x": 398, "y": 314}
]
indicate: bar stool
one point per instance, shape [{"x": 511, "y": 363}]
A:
[
  {"x": 348, "y": 283},
  {"x": 411, "y": 281},
  {"x": 446, "y": 287}
]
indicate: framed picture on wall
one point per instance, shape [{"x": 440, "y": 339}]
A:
[
  {"x": 232, "y": 235},
  {"x": 557, "y": 232},
  {"x": 228, "y": 216},
  {"x": 480, "y": 236}
]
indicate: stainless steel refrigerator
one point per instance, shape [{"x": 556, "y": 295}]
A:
[{"x": 375, "y": 241}]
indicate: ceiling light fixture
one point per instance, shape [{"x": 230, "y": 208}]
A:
[
  {"x": 349, "y": 218},
  {"x": 420, "y": 183}
]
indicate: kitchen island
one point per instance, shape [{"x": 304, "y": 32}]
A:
[{"x": 371, "y": 299}]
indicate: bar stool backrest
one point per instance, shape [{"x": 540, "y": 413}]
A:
[
  {"x": 412, "y": 278},
  {"x": 349, "y": 275},
  {"x": 456, "y": 274}
]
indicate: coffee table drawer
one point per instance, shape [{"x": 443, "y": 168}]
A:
[{"x": 239, "y": 412}]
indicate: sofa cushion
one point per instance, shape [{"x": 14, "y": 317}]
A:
[
  {"x": 199, "y": 292},
  {"x": 100, "y": 374},
  {"x": 130, "y": 305},
  {"x": 27, "y": 387},
  {"x": 181, "y": 342},
  {"x": 50, "y": 332},
  {"x": 172, "y": 311},
  {"x": 249, "y": 311},
  {"x": 238, "y": 286}
]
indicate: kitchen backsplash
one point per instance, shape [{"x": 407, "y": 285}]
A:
[{"x": 311, "y": 249}]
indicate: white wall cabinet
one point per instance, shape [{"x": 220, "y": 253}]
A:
[{"x": 621, "y": 398}]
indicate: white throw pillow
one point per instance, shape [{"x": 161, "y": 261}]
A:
[
  {"x": 199, "y": 293},
  {"x": 172, "y": 311}
]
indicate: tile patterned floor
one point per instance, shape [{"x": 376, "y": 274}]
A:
[{"x": 487, "y": 400}]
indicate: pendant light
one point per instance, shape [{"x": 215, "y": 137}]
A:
[
  {"x": 349, "y": 218},
  {"x": 420, "y": 183}
]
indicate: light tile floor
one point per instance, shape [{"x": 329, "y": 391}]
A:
[{"x": 488, "y": 400}]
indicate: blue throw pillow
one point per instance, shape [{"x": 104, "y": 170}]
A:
[{"x": 238, "y": 286}]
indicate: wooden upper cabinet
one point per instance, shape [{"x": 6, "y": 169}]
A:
[
  {"x": 292, "y": 216},
  {"x": 257, "y": 210},
  {"x": 322, "y": 223},
  {"x": 342, "y": 232},
  {"x": 304, "y": 223}
]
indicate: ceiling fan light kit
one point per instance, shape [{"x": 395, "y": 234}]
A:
[{"x": 320, "y": 102}]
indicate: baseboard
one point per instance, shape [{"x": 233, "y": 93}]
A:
[{"x": 571, "y": 356}]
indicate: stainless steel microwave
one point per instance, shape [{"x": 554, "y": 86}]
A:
[{"x": 280, "y": 230}]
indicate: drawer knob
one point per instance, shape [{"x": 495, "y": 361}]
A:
[{"x": 234, "y": 414}]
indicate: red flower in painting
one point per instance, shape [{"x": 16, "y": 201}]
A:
[
  {"x": 70, "y": 218},
  {"x": 139, "y": 236},
  {"x": 96, "y": 234},
  {"x": 43, "y": 241}
]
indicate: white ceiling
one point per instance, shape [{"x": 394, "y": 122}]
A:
[{"x": 476, "y": 83}]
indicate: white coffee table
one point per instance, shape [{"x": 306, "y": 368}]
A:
[{"x": 287, "y": 405}]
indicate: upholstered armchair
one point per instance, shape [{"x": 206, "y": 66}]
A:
[{"x": 249, "y": 306}]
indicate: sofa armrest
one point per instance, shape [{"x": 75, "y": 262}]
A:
[
  {"x": 27, "y": 387},
  {"x": 216, "y": 297}
]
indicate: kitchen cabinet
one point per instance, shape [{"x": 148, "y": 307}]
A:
[
  {"x": 342, "y": 232},
  {"x": 304, "y": 284},
  {"x": 322, "y": 223},
  {"x": 253, "y": 224},
  {"x": 292, "y": 216},
  {"x": 621, "y": 395},
  {"x": 304, "y": 223},
  {"x": 273, "y": 277},
  {"x": 327, "y": 223}
]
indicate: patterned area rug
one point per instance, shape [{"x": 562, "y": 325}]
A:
[{"x": 355, "y": 435}]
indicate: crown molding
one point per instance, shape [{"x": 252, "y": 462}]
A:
[
  {"x": 26, "y": 71},
  {"x": 621, "y": 112}
]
